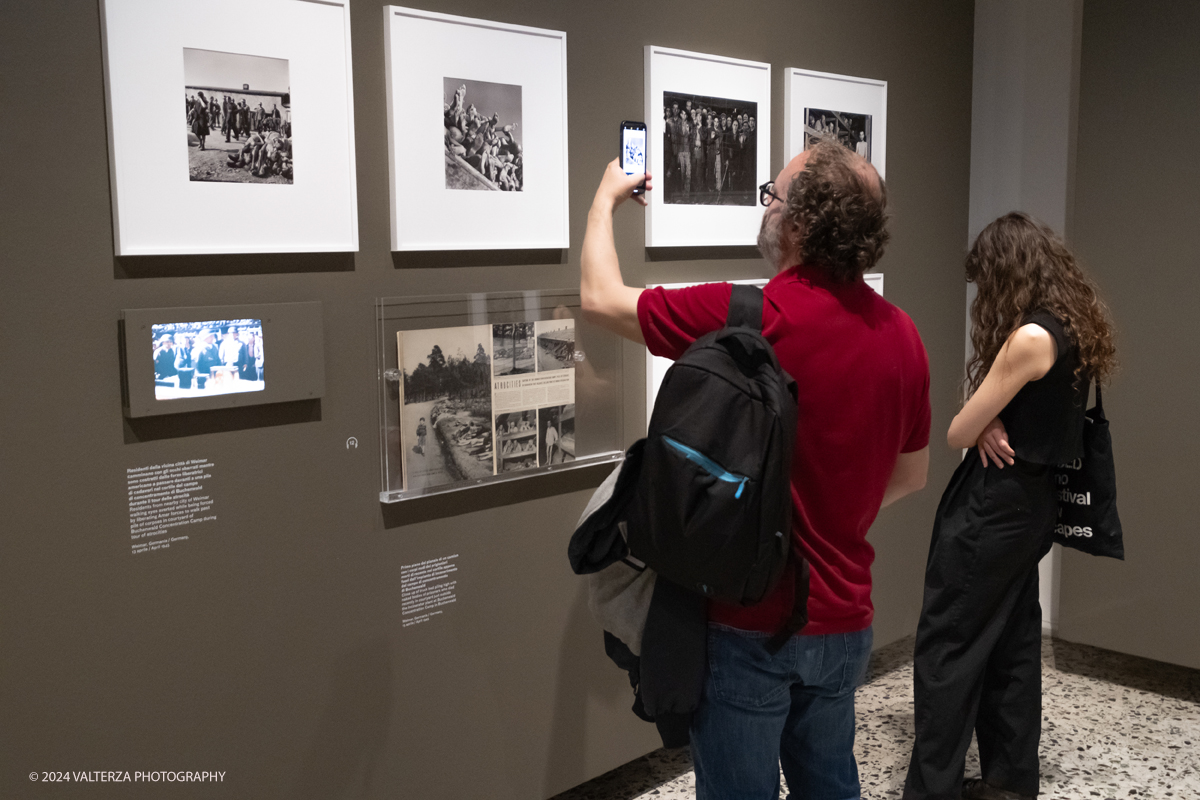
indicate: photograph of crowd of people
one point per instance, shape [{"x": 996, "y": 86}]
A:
[
  {"x": 555, "y": 344},
  {"x": 556, "y": 434},
  {"x": 517, "y": 440},
  {"x": 850, "y": 130},
  {"x": 202, "y": 359},
  {"x": 446, "y": 406},
  {"x": 513, "y": 348},
  {"x": 483, "y": 135},
  {"x": 710, "y": 150},
  {"x": 239, "y": 119}
]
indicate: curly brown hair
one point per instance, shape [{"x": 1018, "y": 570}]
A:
[
  {"x": 1020, "y": 266},
  {"x": 836, "y": 212}
]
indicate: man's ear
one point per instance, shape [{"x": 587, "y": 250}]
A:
[{"x": 793, "y": 233}]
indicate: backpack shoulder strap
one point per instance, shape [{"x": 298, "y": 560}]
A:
[
  {"x": 745, "y": 307},
  {"x": 799, "y": 616}
]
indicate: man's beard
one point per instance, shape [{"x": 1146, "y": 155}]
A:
[{"x": 770, "y": 244}]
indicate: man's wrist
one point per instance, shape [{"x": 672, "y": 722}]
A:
[{"x": 601, "y": 206}]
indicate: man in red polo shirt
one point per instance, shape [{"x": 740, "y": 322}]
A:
[{"x": 861, "y": 443}]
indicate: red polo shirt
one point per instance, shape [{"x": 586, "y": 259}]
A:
[{"x": 863, "y": 380}]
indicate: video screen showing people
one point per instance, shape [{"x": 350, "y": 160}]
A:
[{"x": 203, "y": 359}]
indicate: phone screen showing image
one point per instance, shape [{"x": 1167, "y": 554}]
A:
[{"x": 633, "y": 150}]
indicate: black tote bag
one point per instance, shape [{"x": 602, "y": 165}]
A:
[{"x": 1087, "y": 493}]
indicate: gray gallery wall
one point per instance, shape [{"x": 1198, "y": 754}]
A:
[
  {"x": 270, "y": 645},
  {"x": 1136, "y": 207}
]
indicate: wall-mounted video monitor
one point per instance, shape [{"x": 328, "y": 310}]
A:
[
  {"x": 190, "y": 359},
  {"x": 207, "y": 358}
]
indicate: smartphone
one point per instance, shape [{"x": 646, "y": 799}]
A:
[{"x": 633, "y": 151}]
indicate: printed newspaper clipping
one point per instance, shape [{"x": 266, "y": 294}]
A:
[{"x": 483, "y": 400}]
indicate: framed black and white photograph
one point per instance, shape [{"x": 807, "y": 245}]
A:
[
  {"x": 208, "y": 357},
  {"x": 239, "y": 117},
  {"x": 848, "y": 110},
  {"x": 709, "y": 129},
  {"x": 555, "y": 344},
  {"x": 477, "y": 133},
  {"x": 483, "y": 136},
  {"x": 710, "y": 150},
  {"x": 446, "y": 405},
  {"x": 852, "y": 131},
  {"x": 231, "y": 126}
]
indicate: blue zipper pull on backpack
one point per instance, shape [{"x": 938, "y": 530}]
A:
[{"x": 708, "y": 465}]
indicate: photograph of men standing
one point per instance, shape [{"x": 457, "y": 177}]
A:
[{"x": 862, "y": 443}]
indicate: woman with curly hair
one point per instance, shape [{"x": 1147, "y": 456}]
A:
[{"x": 1041, "y": 335}]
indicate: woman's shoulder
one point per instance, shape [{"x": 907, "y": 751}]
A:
[
  {"x": 1050, "y": 322},
  {"x": 1031, "y": 337},
  {"x": 1045, "y": 318},
  {"x": 1032, "y": 350}
]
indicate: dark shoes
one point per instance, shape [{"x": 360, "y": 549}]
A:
[{"x": 976, "y": 789}]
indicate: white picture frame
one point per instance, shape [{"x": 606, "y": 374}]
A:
[
  {"x": 723, "y": 79},
  {"x": 424, "y": 50},
  {"x": 875, "y": 281},
  {"x": 805, "y": 89},
  {"x": 160, "y": 206}
]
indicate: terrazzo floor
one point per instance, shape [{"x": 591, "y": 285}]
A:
[{"x": 1114, "y": 726}]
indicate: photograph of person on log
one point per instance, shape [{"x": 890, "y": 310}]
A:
[{"x": 483, "y": 135}]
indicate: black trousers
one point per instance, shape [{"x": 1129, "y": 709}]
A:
[{"x": 977, "y": 661}]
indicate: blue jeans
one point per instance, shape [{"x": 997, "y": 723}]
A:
[{"x": 795, "y": 708}]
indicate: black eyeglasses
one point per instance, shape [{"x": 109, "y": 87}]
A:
[{"x": 765, "y": 193}]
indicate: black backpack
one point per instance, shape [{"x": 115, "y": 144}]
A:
[{"x": 712, "y": 511}]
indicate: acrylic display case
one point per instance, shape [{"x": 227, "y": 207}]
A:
[{"x": 480, "y": 388}]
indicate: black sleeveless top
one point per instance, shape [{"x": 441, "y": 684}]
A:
[{"x": 1044, "y": 421}]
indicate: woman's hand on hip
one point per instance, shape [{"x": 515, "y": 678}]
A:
[{"x": 993, "y": 444}]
